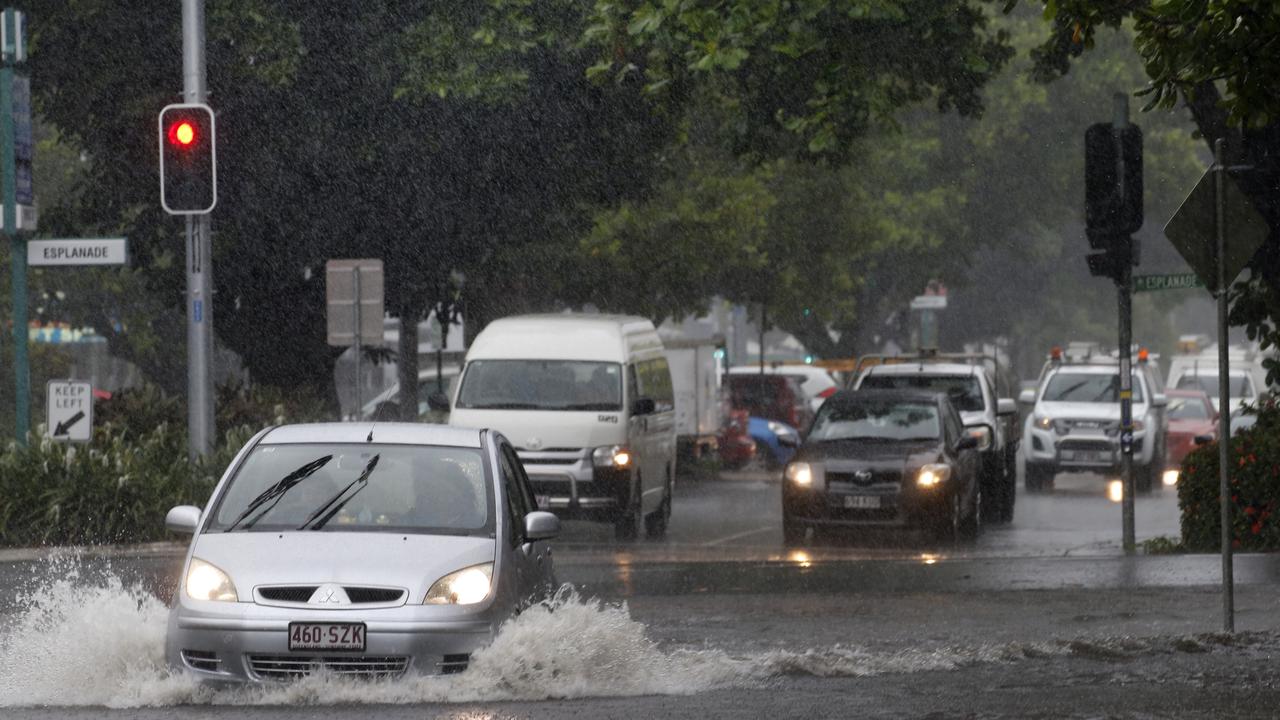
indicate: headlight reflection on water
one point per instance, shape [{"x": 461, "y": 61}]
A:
[{"x": 1115, "y": 491}]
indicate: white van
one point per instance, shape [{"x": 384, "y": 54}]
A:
[{"x": 588, "y": 404}]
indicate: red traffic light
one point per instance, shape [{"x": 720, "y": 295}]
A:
[{"x": 182, "y": 133}]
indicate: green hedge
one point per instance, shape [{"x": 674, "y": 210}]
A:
[
  {"x": 118, "y": 487},
  {"x": 1255, "y": 488}
]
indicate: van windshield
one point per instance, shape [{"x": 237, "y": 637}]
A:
[{"x": 541, "y": 385}]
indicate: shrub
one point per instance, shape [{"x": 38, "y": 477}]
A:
[
  {"x": 118, "y": 487},
  {"x": 1255, "y": 488}
]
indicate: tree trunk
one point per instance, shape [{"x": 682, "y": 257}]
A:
[{"x": 407, "y": 364}]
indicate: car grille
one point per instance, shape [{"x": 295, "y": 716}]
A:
[
  {"x": 357, "y": 595},
  {"x": 1087, "y": 445},
  {"x": 838, "y": 481},
  {"x": 451, "y": 664},
  {"x": 288, "y": 593},
  {"x": 292, "y": 667}
]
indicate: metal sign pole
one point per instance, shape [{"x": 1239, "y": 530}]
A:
[
  {"x": 17, "y": 248},
  {"x": 1224, "y": 390},
  {"x": 200, "y": 418},
  {"x": 1124, "y": 283}
]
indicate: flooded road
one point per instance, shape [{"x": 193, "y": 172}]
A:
[{"x": 719, "y": 619}]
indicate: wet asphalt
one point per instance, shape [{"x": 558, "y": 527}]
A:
[{"x": 1127, "y": 636}]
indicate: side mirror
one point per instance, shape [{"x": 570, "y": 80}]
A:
[
  {"x": 183, "y": 519},
  {"x": 968, "y": 442},
  {"x": 1159, "y": 400},
  {"x": 1203, "y": 440},
  {"x": 643, "y": 406},
  {"x": 1006, "y": 406},
  {"x": 438, "y": 401},
  {"x": 1027, "y": 397},
  {"x": 541, "y": 525}
]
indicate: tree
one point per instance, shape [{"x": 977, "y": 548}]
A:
[
  {"x": 1192, "y": 49},
  {"x": 435, "y": 136}
]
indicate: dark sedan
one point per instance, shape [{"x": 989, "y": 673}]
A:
[{"x": 892, "y": 458}]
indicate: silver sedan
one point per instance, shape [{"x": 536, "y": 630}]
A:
[{"x": 357, "y": 549}]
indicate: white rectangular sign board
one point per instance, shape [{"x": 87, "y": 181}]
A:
[
  {"x": 78, "y": 251},
  {"x": 929, "y": 302},
  {"x": 344, "y": 280},
  {"x": 70, "y": 410}
]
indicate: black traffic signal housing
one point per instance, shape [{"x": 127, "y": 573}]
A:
[
  {"x": 1112, "y": 206},
  {"x": 1116, "y": 259},
  {"x": 188, "y": 159}
]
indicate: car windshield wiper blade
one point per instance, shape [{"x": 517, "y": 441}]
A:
[
  {"x": 277, "y": 491},
  {"x": 330, "y": 507},
  {"x": 592, "y": 406},
  {"x": 506, "y": 406}
]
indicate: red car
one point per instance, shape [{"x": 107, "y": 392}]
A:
[{"x": 1191, "y": 415}]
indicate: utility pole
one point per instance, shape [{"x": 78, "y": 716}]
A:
[{"x": 200, "y": 419}]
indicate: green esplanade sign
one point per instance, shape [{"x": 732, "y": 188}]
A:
[{"x": 1179, "y": 281}]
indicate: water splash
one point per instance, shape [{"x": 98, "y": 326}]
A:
[{"x": 78, "y": 641}]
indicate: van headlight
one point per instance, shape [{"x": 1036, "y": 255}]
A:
[
  {"x": 611, "y": 456},
  {"x": 206, "y": 582},
  {"x": 1044, "y": 423},
  {"x": 467, "y": 586},
  {"x": 933, "y": 474},
  {"x": 800, "y": 473}
]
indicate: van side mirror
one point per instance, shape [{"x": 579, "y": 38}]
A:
[
  {"x": 643, "y": 406},
  {"x": 1159, "y": 400},
  {"x": 1027, "y": 397},
  {"x": 438, "y": 401},
  {"x": 1006, "y": 406},
  {"x": 183, "y": 519}
]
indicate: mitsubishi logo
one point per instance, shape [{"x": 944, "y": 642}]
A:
[{"x": 329, "y": 594}]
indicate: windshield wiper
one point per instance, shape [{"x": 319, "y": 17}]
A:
[
  {"x": 330, "y": 507},
  {"x": 277, "y": 491},
  {"x": 505, "y": 406},
  {"x": 591, "y": 406}
]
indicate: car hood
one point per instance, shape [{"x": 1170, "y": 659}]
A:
[
  {"x": 412, "y": 562},
  {"x": 1086, "y": 411},
  {"x": 546, "y": 429},
  {"x": 1191, "y": 427},
  {"x": 846, "y": 455}
]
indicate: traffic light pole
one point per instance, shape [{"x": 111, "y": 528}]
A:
[
  {"x": 17, "y": 257},
  {"x": 1124, "y": 283},
  {"x": 199, "y": 300}
]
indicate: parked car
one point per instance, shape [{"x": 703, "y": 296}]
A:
[
  {"x": 769, "y": 396},
  {"x": 735, "y": 445},
  {"x": 1074, "y": 424},
  {"x": 989, "y": 418},
  {"x": 589, "y": 405},
  {"x": 893, "y": 458},
  {"x": 1191, "y": 416},
  {"x": 816, "y": 384},
  {"x": 358, "y": 549}
]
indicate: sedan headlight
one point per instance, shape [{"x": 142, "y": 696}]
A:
[
  {"x": 611, "y": 456},
  {"x": 800, "y": 473},
  {"x": 467, "y": 586},
  {"x": 206, "y": 582},
  {"x": 933, "y": 474},
  {"x": 983, "y": 435},
  {"x": 1044, "y": 423}
]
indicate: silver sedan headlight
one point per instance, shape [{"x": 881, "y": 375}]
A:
[
  {"x": 467, "y": 586},
  {"x": 206, "y": 582}
]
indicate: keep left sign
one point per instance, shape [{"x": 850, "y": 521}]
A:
[{"x": 70, "y": 410}]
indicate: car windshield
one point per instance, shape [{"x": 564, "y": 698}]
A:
[
  {"x": 964, "y": 390},
  {"x": 405, "y": 488},
  {"x": 1183, "y": 408},
  {"x": 873, "y": 420},
  {"x": 1088, "y": 388},
  {"x": 1239, "y": 385},
  {"x": 541, "y": 385}
]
